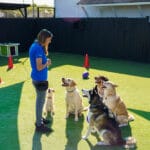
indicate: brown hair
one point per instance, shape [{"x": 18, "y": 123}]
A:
[{"x": 42, "y": 36}]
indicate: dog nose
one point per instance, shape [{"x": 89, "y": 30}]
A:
[{"x": 95, "y": 78}]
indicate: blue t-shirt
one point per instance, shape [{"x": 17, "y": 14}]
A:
[{"x": 37, "y": 51}]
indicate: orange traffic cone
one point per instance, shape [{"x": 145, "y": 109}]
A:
[
  {"x": 86, "y": 61},
  {"x": 10, "y": 62}
]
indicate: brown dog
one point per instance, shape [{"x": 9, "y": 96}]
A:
[
  {"x": 49, "y": 103},
  {"x": 73, "y": 99},
  {"x": 99, "y": 82},
  {"x": 115, "y": 104}
]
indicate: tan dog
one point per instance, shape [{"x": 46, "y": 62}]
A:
[
  {"x": 49, "y": 103},
  {"x": 73, "y": 100},
  {"x": 115, "y": 104},
  {"x": 99, "y": 82}
]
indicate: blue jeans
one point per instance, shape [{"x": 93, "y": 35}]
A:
[{"x": 40, "y": 99}]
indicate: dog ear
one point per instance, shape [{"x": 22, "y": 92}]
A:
[
  {"x": 73, "y": 83},
  {"x": 95, "y": 78},
  {"x": 52, "y": 90},
  {"x": 91, "y": 92},
  {"x": 115, "y": 85},
  {"x": 95, "y": 89},
  {"x": 48, "y": 90},
  {"x": 112, "y": 84}
]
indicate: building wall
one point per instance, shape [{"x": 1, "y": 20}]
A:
[{"x": 69, "y": 8}]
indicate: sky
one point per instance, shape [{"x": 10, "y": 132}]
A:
[{"x": 38, "y": 2}]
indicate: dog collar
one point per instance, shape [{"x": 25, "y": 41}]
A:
[
  {"x": 71, "y": 90},
  {"x": 95, "y": 105},
  {"x": 49, "y": 97}
]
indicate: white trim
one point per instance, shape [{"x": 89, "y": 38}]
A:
[{"x": 117, "y": 4}]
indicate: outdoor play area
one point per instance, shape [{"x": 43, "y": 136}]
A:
[
  {"x": 17, "y": 102},
  {"x": 78, "y": 40}
]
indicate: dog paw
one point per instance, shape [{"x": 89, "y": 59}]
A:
[
  {"x": 84, "y": 137},
  {"x": 76, "y": 119},
  {"x": 131, "y": 118},
  {"x": 123, "y": 125},
  {"x": 101, "y": 143}
]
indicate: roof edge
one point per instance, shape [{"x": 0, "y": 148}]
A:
[{"x": 116, "y": 4}]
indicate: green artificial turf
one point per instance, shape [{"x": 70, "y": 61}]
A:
[{"x": 17, "y": 102}]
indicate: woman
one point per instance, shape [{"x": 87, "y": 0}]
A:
[{"x": 39, "y": 74}]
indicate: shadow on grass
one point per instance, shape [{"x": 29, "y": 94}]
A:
[
  {"x": 9, "y": 105},
  {"x": 73, "y": 132},
  {"x": 36, "y": 140},
  {"x": 3, "y": 61},
  {"x": 144, "y": 114},
  {"x": 16, "y": 60},
  {"x": 49, "y": 117},
  {"x": 105, "y": 64},
  {"x": 97, "y": 147}
]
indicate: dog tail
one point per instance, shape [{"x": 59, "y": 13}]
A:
[
  {"x": 131, "y": 117},
  {"x": 130, "y": 142}
]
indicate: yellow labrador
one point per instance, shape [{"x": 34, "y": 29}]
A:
[{"x": 73, "y": 99}]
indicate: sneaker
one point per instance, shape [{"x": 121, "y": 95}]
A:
[
  {"x": 45, "y": 121},
  {"x": 42, "y": 128}
]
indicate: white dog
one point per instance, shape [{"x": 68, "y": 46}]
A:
[{"x": 49, "y": 102}]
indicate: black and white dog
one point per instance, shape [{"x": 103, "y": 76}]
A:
[
  {"x": 89, "y": 95},
  {"x": 103, "y": 122}
]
